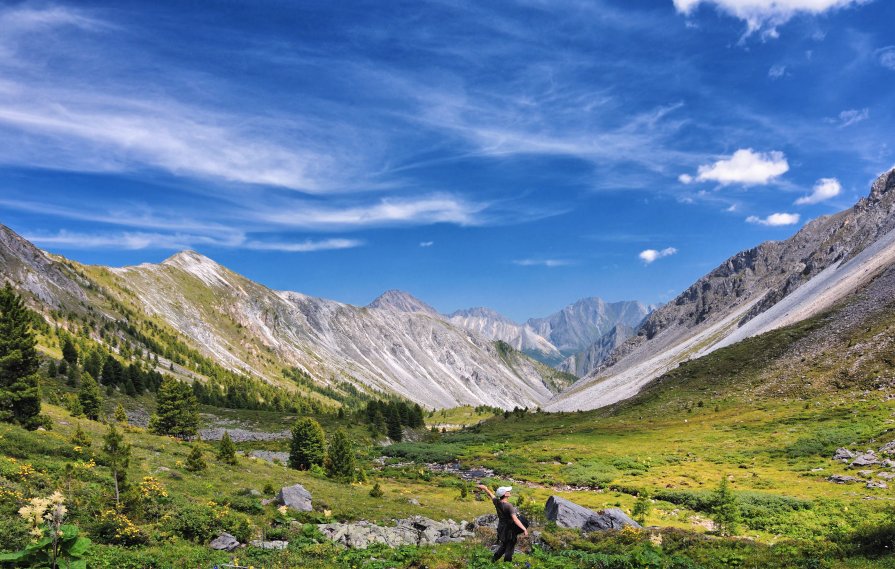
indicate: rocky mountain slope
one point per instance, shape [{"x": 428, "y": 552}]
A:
[
  {"x": 397, "y": 345},
  {"x": 587, "y": 360},
  {"x": 491, "y": 324},
  {"x": 761, "y": 289},
  {"x": 577, "y": 326}
]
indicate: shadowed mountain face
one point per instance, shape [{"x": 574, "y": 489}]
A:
[{"x": 761, "y": 289}]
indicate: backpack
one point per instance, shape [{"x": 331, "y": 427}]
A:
[{"x": 523, "y": 520}]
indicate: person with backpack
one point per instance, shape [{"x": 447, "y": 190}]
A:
[{"x": 509, "y": 524}]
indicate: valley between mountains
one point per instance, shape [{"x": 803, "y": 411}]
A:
[{"x": 749, "y": 422}]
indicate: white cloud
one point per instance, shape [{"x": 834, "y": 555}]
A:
[
  {"x": 777, "y": 71},
  {"x": 136, "y": 240},
  {"x": 427, "y": 243},
  {"x": 745, "y": 166},
  {"x": 766, "y": 15},
  {"x": 542, "y": 263},
  {"x": 851, "y": 116},
  {"x": 650, "y": 255},
  {"x": 824, "y": 189},
  {"x": 423, "y": 210},
  {"x": 886, "y": 57},
  {"x": 775, "y": 219}
]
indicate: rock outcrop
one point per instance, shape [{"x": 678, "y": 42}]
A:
[
  {"x": 568, "y": 514},
  {"x": 295, "y": 497},
  {"x": 224, "y": 542},
  {"x": 417, "y": 530}
]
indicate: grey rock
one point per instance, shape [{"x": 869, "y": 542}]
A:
[
  {"x": 843, "y": 479},
  {"x": 877, "y": 484},
  {"x": 570, "y": 515},
  {"x": 413, "y": 502},
  {"x": 416, "y": 530},
  {"x": 865, "y": 473},
  {"x": 295, "y": 497},
  {"x": 270, "y": 456},
  {"x": 273, "y": 544},
  {"x": 843, "y": 454},
  {"x": 224, "y": 542},
  {"x": 869, "y": 458},
  {"x": 888, "y": 448},
  {"x": 886, "y": 475}
]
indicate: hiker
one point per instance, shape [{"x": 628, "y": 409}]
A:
[{"x": 508, "y": 524}]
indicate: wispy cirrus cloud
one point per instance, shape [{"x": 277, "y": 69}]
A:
[
  {"x": 745, "y": 166},
  {"x": 649, "y": 256},
  {"x": 775, "y": 219},
  {"x": 137, "y": 240},
  {"x": 549, "y": 263},
  {"x": 849, "y": 117}
]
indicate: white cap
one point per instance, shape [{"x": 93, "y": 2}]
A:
[{"x": 503, "y": 490}]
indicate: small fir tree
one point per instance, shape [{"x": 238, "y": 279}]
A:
[
  {"x": 376, "y": 491},
  {"x": 117, "y": 453},
  {"x": 90, "y": 397},
  {"x": 195, "y": 462},
  {"x": 120, "y": 415},
  {"x": 80, "y": 438},
  {"x": 340, "y": 456},
  {"x": 177, "y": 413},
  {"x": 642, "y": 507},
  {"x": 308, "y": 446},
  {"x": 227, "y": 450},
  {"x": 19, "y": 362},
  {"x": 725, "y": 509}
]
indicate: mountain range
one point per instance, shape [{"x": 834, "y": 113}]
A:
[{"x": 400, "y": 345}]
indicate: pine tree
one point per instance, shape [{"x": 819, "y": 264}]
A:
[
  {"x": 642, "y": 507},
  {"x": 69, "y": 352},
  {"x": 117, "y": 453},
  {"x": 340, "y": 456},
  {"x": 725, "y": 509},
  {"x": 376, "y": 491},
  {"x": 308, "y": 447},
  {"x": 73, "y": 376},
  {"x": 19, "y": 363},
  {"x": 177, "y": 412},
  {"x": 120, "y": 414},
  {"x": 195, "y": 462},
  {"x": 89, "y": 397},
  {"x": 393, "y": 423},
  {"x": 80, "y": 438},
  {"x": 227, "y": 450}
]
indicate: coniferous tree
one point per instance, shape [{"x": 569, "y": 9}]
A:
[
  {"x": 177, "y": 412},
  {"x": 19, "y": 363},
  {"x": 120, "y": 414},
  {"x": 340, "y": 456},
  {"x": 51, "y": 369},
  {"x": 227, "y": 450},
  {"x": 73, "y": 376},
  {"x": 80, "y": 438},
  {"x": 195, "y": 462},
  {"x": 89, "y": 397},
  {"x": 117, "y": 453},
  {"x": 93, "y": 364},
  {"x": 393, "y": 422},
  {"x": 725, "y": 509},
  {"x": 69, "y": 351},
  {"x": 308, "y": 447},
  {"x": 642, "y": 507}
]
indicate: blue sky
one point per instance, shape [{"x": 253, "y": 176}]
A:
[{"x": 518, "y": 155}]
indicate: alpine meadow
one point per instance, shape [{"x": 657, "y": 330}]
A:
[{"x": 651, "y": 246}]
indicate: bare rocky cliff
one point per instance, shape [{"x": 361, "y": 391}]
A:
[{"x": 842, "y": 251}]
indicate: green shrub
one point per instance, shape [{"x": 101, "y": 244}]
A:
[{"x": 193, "y": 522}]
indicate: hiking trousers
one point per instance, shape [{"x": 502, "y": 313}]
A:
[{"x": 507, "y": 545}]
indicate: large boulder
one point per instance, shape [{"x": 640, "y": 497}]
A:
[
  {"x": 295, "y": 497},
  {"x": 224, "y": 542},
  {"x": 843, "y": 454},
  {"x": 869, "y": 458},
  {"x": 568, "y": 514}
]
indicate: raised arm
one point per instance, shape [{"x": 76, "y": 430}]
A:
[{"x": 486, "y": 490}]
